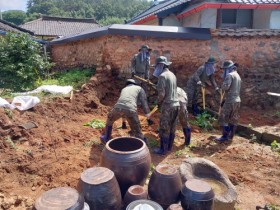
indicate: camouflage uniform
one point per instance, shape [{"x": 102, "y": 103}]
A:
[
  {"x": 141, "y": 68},
  {"x": 183, "y": 111},
  {"x": 168, "y": 99},
  {"x": 229, "y": 115},
  {"x": 183, "y": 115},
  {"x": 126, "y": 107},
  {"x": 193, "y": 88},
  {"x": 231, "y": 106}
]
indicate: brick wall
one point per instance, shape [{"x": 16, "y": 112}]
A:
[{"x": 258, "y": 58}]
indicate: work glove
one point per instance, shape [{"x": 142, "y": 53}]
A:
[
  {"x": 218, "y": 90},
  {"x": 150, "y": 122},
  {"x": 200, "y": 84}
]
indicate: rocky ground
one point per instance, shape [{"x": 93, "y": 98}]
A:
[{"x": 56, "y": 152}]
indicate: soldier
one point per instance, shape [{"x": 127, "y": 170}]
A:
[
  {"x": 141, "y": 65},
  {"x": 168, "y": 101},
  {"x": 183, "y": 115},
  {"x": 126, "y": 107},
  {"x": 198, "y": 80},
  {"x": 229, "y": 116}
]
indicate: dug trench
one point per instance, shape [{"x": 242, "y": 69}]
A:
[{"x": 60, "y": 148}]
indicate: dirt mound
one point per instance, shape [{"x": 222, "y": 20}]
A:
[{"x": 60, "y": 148}]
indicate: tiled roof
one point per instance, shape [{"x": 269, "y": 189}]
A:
[
  {"x": 59, "y": 26},
  {"x": 243, "y": 32},
  {"x": 160, "y": 7},
  {"x": 255, "y": 1},
  {"x": 9, "y": 27}
]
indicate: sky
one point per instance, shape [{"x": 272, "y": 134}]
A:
[{"x": 13, "y": 5}]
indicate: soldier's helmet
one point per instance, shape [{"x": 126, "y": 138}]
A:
[
  {"x": 227, "y": 64},
  {"x": 145, "y": 47}
]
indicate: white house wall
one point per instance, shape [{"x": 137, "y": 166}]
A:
[
  {"x": 204, "y": 19},
  {"x": 261, "y": 18},
  {"x": 275, "y": 19},
  {"x": 171, "y": 20}
]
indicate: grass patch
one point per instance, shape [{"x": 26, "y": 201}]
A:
[
  {"x": 96, "y": 124},
  {"x": 182, "y": 152},
  {"x": 73, "y": 77},
  {"x": 10, "y": 141},
  {"x": 275, "y": 146},
  {"x": 153, "y": 142},
  {"x": 9, "y": 113}
]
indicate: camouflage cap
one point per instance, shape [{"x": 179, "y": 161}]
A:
[{"x": 211, "y": 60}]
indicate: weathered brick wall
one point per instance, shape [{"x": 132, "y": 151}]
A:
[{"x": 258, "y": 58}]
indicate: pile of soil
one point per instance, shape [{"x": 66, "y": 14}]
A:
[{"x": 60, "y": 148}]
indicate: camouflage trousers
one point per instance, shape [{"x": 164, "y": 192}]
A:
[
  {"x": 183, "y": 116},
  {"x": 168, "y": 119},
  {"x": 192, "y": 92},
  {"x": 229, "y": 114},
  {"x": 132, "y": 119}
]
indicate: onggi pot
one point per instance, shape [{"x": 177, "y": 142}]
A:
[
  {"x": 129, "y": 158},
  {"x": 165, "y": 185}
]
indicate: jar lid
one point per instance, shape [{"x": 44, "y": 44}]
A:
[
  {"x": 97, "y": 175},
  {"x": 197, "y": 190},
  {"x": 59, "y": 198}
]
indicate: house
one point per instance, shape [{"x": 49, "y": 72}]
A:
[
  {"x": 9, "y": 27},
  {"x": 47, "y": 27},
  {"x": 251, "y": 14}
]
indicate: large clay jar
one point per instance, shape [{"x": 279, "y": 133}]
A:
[
  {"x": 61, "y": 198},
  {"x": 100, "y": 189},
  {"x": 165, "y": 185},
  {"x": 197, "y": 195},
  {"x": 129, "y": 158},
  {"x": 135, "y": 192}
]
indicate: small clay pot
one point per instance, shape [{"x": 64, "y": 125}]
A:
[
  {"x": 100, "y": 189},
  {"x": 135, "y": 192},
  {"x": 165, "y": 185},
  {"x": 197, "y": 195}
]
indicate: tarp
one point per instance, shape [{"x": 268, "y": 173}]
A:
[
  {"x": 55, "y": 89},
  {"x": 20, "y": 102}
]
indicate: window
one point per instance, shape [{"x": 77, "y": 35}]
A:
[{"x": 229, "y": 16}]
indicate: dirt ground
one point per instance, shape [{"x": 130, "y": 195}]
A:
[{"x": 56, "y": 152}]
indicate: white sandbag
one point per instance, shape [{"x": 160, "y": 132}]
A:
[
  {"x": 25, "y": 102},
  {"x": 55, "y": 89},
  {"x": 5, "y": 104}
]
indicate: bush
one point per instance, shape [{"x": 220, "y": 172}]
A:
[
  {"x": 204, "y": 120},
  {"x": 21, "y": 63}
]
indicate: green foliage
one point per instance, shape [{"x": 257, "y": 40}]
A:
[
  {"x": 104, "y": 11},
  {"x": 21, "y": 63},
  {"x": 95, "y": 123},
  {"x": 275, "y": 146},
  {"x": 74, "y": 77},
  {"x": 277, "y": 114},
  {"x": 16, "y": 17},
  {"x": 181, "y": 152},
  {"x": 272, "y": 207},
  {"x": 204, "y": 120},
  {"x": 153, "y": 142},
  {"x": 9, "y": 113}
]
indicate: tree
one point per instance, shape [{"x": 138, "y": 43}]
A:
[
  {"x": 21, "y": 64},
  {"x": 16, "y": 17},
  {"x": 104, "y": 11}
]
